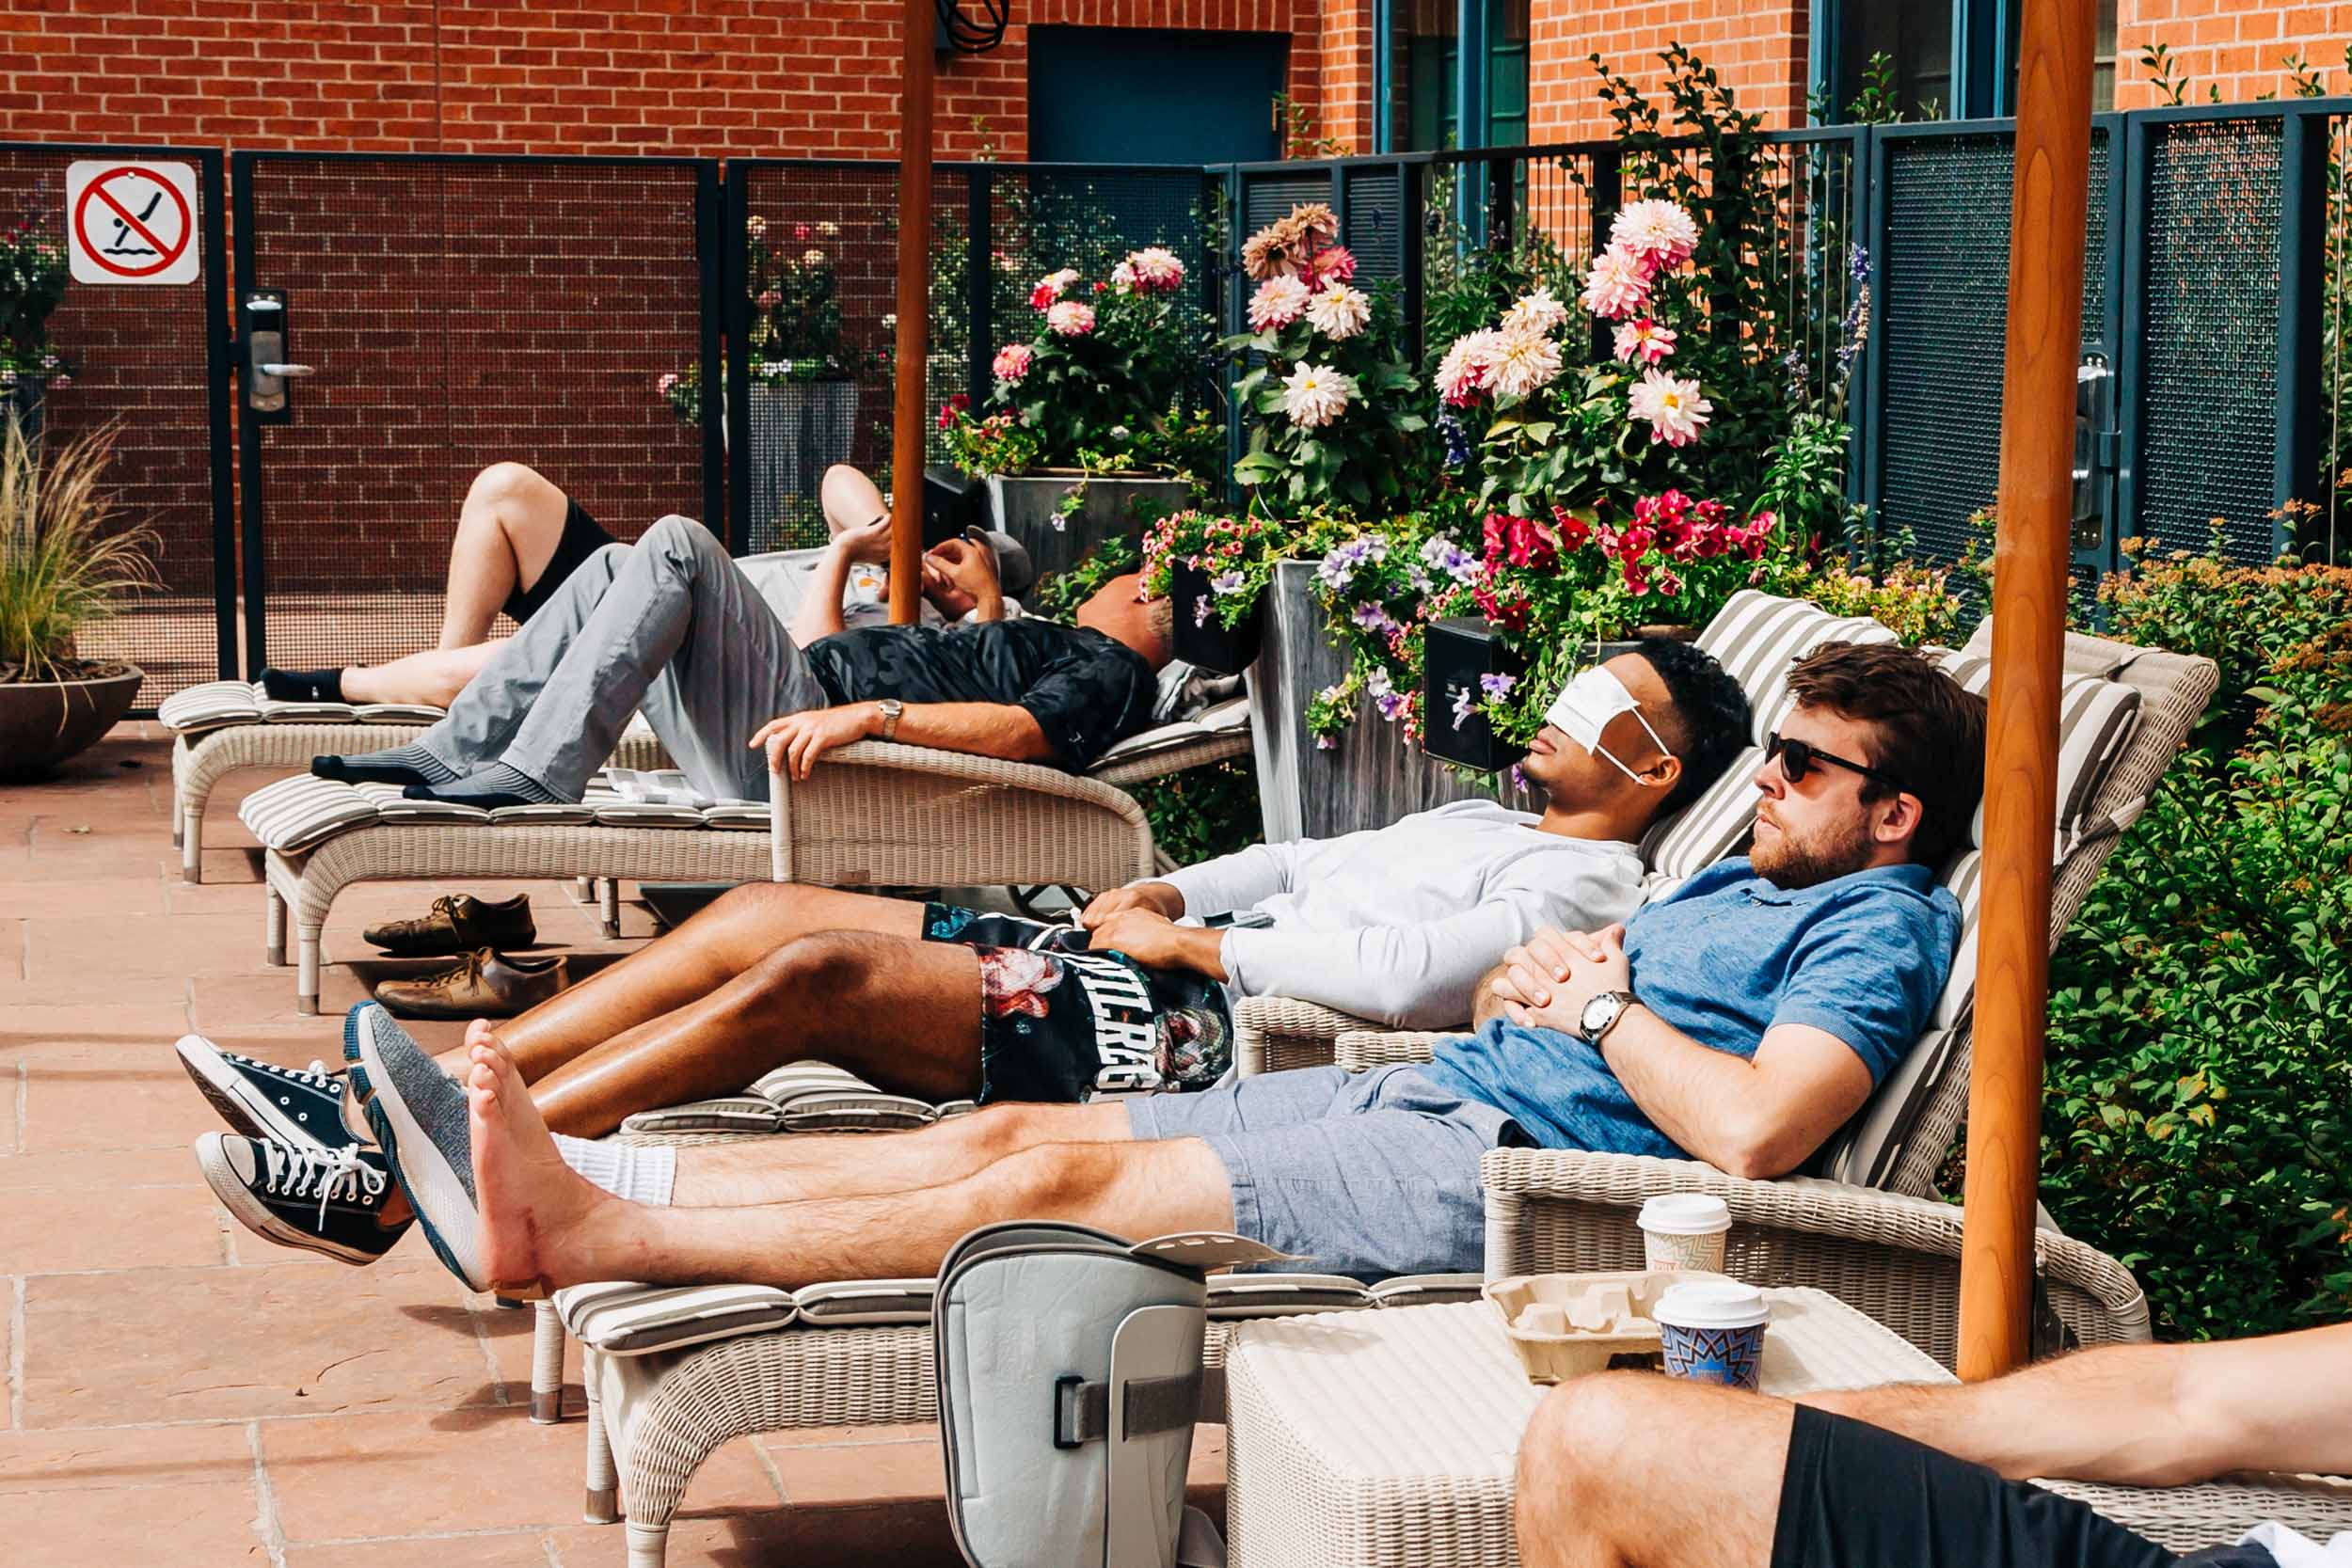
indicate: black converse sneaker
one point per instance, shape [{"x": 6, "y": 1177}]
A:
[
  {"x": 262, "y": 1101},
  {"x": 303, "y": 1198}
]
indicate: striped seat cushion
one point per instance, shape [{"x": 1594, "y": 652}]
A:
[
  {"x": 302, "y": 811},
  {"x": 2096, "y": 718},
  {"x": 218, "y": 704},
  {"x": 748, "y": 1114},
  {"x": 294, "y": 814},
  {"x": 1756, "y": 638},
  {"x": 866, "y": 1303},
  {"x": 1233, "y": 1296},
  {"x": 638, "y": 1320}
]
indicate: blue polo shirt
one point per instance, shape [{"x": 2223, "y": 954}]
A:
[{"x": 1727, "y": 956}]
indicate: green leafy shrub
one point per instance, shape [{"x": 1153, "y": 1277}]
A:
[
  {"x": 2198, "y": 1116},
  {"x": 1202, "y": 813}
]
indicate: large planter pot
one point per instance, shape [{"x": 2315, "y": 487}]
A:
[
  {"x": 1028, "y": 507},
  {"x": 43, "y": 723},
  {"x": 1203, "y": 638},
  {"x": 1371, "y": 776},
  {"x": 799, "y": 429}
]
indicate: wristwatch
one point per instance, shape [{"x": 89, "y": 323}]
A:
[
  {"x": 1602, "y": 1013},
  {"x": 891, "y": 709}
]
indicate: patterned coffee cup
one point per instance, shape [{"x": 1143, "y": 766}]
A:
[
  {"x": 1684, "y": 1231},
  {"x": 1712, "y": 1331}
]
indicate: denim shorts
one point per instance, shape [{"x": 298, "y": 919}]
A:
[{"x": 1370, "y": 1174}]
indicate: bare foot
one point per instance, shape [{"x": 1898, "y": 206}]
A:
[{"x": 536, "y": 1215}]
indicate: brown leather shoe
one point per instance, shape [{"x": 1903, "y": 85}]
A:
[
  {"x": 484, "y": 986},
  {"x": 459, "y": 924}
]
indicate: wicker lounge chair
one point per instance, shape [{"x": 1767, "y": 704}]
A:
[{"x": 873, "y": 815}]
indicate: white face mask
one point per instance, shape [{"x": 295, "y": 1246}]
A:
[{"x": 1588, "y": 704}]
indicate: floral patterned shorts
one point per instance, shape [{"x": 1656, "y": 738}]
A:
[{"x": 1053, "y": 1016}]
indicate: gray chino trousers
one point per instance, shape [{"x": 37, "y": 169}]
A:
[{"x": 667, "y": 624}]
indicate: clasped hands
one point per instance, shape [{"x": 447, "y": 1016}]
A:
[
  {"x": 1546, "y": 981},
  {"x": 1140, "y": 922}
]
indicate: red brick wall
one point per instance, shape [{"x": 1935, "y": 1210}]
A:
[
  {"x": 1757, "y": 47},
  {"x": 788, "y": 78},
  {"x": 2235, "y": 46}
]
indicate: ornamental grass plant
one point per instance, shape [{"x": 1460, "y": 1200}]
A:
[{"x": 65, "y": 561}]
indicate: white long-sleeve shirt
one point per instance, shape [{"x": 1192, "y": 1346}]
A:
[{"x": 1397, "y": 924}]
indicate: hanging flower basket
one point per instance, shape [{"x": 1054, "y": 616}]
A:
[{"x": 1202, "y": 636}]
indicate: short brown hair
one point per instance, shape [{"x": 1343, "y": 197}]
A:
[{"x": 1926, "y": 730}]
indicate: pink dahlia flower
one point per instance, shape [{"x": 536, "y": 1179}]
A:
[
  {"x": 1073, "y": 319},
  {"x": 1660, "y": 232},
  {"x": 1618, "y": 284},
  {"x": 1645, "y": 340},
  {"x": 1673, "y": 406},
  {"x": 1012, "y": 362},
  {"x": 1278, "y": 302}
]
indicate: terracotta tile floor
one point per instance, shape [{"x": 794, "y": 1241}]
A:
[{"x": 173, "y": 1381}]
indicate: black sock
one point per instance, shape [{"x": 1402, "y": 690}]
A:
[
  {"x": 403, "y": 764},
  {"x": 302, "y": 686},
  {"x": 492, "y": 788}
]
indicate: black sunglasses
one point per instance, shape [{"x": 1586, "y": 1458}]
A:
[{"x": 1798, "y": 758}]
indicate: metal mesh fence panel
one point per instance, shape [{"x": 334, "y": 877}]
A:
[
  {"x": 1035, "y": 219},
  {"x": 136, "y": 358},
  {"x": 461, "y": 313},
  {"x": 842, "y": 220},
  {"x": 2209, "y": 378},
  {"x": 1942, "y": 323}
]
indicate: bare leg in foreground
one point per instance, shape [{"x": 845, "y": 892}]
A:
[{"x": 543, "y": 1227}]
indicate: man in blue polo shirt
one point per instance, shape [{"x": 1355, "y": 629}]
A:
[{"x": 1742, "y": 1019}]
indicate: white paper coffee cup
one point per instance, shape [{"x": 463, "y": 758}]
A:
[{"x": 1684, "y": 1231}]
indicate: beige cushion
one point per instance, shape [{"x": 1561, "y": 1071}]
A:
[
  {"x": 2096, "y": 718},
  {"x": 866, "y": 1303},
  {"x": 638, "y": 1320},
  {"x": 747, "y": 1112},
  {"x": 1756, "y": 637},
  {"x": 293, "y": 814},
  {"x": 1283, "y": 1295}
]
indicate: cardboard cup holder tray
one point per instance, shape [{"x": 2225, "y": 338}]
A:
[{"x": 1607, "y": 1319}]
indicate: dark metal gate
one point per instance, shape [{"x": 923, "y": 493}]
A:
[
  {"x": 439, "y": 314},
  {"x": 154, "y": 362}
]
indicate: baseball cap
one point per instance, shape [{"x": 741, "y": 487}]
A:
[{"x": 1014, "y": 570}]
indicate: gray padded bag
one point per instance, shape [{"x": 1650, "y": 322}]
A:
[{"x": 1070, "y": 1372}]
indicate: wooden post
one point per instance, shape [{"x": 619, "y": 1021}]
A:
[
  {"x": 915, "y": 274},
  {"x": 2045, "y": 295}
]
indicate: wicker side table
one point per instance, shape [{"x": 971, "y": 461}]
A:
[{"x": 1388, "y": 1439}]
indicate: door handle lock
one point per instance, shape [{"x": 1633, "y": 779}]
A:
[{"x": 262, "y": 338}]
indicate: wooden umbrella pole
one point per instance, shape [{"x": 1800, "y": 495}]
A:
[
  {"x": 915, "y": 272},
  {"x": 2046, "y": 307}
]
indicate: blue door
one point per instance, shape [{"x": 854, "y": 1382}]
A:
[{"x": 1133, "y": 95}]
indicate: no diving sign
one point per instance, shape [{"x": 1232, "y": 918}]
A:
[{"x": 132, "y": 222}]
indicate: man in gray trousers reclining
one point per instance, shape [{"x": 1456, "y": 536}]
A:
[{"x": 671, "y": 626}]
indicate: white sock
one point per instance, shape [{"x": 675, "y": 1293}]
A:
[{"x": 639, "y": 1173}]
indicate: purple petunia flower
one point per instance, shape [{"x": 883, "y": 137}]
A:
[
  {"x": 1226, "y": 582},
  {"x": 1495, "y": 685},
  {"x": 1375, "y": 618},
  {"x": 1201, "y": 613}
]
